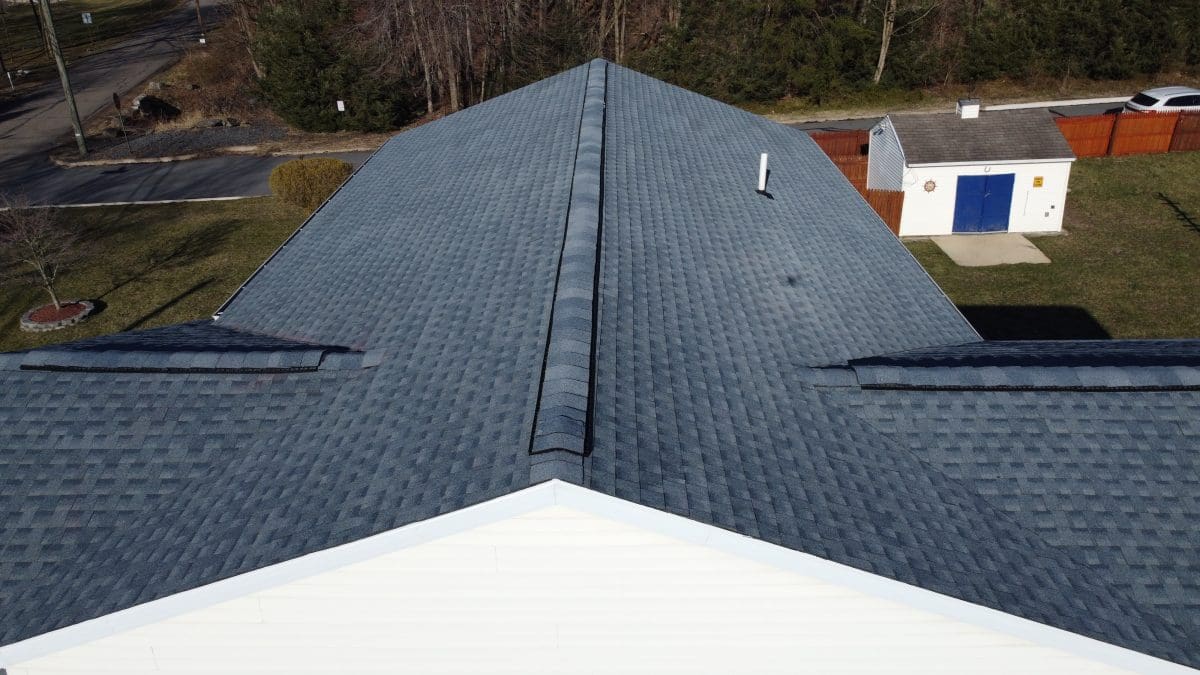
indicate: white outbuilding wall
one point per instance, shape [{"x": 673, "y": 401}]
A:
[
  {"x": 561, "y": 580},
  {"x": 885, "y": 159},
  {"x": 1033, "y": 209}
]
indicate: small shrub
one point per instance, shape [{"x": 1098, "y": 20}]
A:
[{"x": 308, "y": 182}]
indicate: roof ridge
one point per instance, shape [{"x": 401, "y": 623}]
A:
[
  {"x": 561, "y": 436},
  {"x": 1038, "y": 365},
  {"x": 189, "y": 347}
]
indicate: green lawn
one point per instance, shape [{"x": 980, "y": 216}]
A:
[
  {"x": 1127, "y": 266},
  {"x": 112, "y": 20},
  {"x": 156, "y": 265}
]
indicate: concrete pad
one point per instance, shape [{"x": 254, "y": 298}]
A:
[{"x": 985, "y": 250}]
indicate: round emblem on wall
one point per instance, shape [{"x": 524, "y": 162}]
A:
[{"x": 930, "y": 186}]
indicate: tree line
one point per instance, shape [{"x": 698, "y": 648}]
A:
[{"x": 393, "y": 60}]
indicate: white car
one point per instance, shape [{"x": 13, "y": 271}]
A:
[{"x": 1165, "y": 99}]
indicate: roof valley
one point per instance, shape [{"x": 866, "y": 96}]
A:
[{"x": 562, "y": 420}]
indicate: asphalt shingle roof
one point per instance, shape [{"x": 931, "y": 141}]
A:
[
  {"x": 994, "y": 136},
  {"x": 577, "y": 280}
]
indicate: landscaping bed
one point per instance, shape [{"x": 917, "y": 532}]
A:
[
  {"x": 177, "y": 142},
  {"x": 49, "y": 317}
]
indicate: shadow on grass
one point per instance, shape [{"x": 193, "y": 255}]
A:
[
  {"x": 1180, "y": 214},
  {"x": 1021, "y": 322},
  {"x": 192, "y": 248},
  {"x": 168, "y": 304}
]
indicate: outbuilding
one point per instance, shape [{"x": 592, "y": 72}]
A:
[{"x": 995, "y": 171}]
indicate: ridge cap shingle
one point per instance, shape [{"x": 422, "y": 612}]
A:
[{"x": 561, "y": 424}]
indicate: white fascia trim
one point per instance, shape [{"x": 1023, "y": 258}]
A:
[
  {"x": 559, "y": 493},
  {"x": 899, "y": 143},
  {"x": 485, "y": 513},
  {"x": 998, "y": 162}
]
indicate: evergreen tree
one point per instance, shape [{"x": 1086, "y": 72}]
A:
[{"x": 311, "y": 62}]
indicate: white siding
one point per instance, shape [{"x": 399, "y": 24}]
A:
[
  {"x": 885, "y": 161},
  {"x": 560, "y": 590},
  {"x": 1034, "y": 209}
]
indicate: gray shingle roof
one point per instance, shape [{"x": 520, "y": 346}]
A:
[
  {"x": 994, "y": 136},
  {"x": 1111, "y": 479},
  {"x": 578, "y": 280}
]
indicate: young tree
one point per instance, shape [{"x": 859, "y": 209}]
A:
[
  {"x": 885, "y": 40},
  {"x": 35, "y": 246}
]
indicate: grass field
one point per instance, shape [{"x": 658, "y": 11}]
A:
[
  {"x": 112, "y": 20},
  {"x": 1128, "y": 265},
  {"x": 156, "y": 265}
]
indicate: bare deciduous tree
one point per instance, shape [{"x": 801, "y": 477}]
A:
[{"x": 35, "y": 246}]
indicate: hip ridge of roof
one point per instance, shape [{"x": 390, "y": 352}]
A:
[{"x": 562, "y": 419}]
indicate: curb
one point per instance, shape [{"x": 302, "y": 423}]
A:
[
  {"x": 151, "y": 202},
  {"x": 1000, "y": 106},
  {"x": 285, "y": 153},
  {"x": 114, "y": 162},
  {"x": 228, "y": 151},
  {"x": 1057, "y": 104}
]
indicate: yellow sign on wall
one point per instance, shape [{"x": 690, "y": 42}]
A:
[{"x": 1037, "y": 181}]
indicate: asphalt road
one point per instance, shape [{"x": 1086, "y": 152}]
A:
[
  {"x": 194, "y": 179},
  {"x": 33, "y": 124},
  {"x": 868, "y": 122}
]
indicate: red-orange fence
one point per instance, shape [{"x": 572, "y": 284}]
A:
[
  {"x": 848, "y": 151},
  {"x": 1142, "y": 133},
  {"x": 889, "y": 205},
  {"x": 1187, "y": 133},
  {"x": 843, "y": 143},
  {"x": 1131, "y": 133},
  {"x": 1088, "y": 136},
  {"x": 854, "y": 169}
]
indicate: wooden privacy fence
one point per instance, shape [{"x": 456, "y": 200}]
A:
[
  {"x": 1131, "y": 133},
  {"x": 854, "y": 169},
  {"x": 1088, "y": 136},
  {"x": 1187, "y": 133},
  {"x": 889, "y": 205},
  {"x": 1142, "y": 133},
  {"x": 848, "y": 151},
  {"x": 839, "y": 144}
]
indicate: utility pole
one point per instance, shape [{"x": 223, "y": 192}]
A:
[
  {"x": 37, "y": 18},
  {"x": 5, "y": 69},
  {"x": 200, "y": 20},
  {"x": 48, "y": 21},
  {"x": 4, "y": 42}
]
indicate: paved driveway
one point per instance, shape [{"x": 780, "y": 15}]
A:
[{"x": 194, "y": 179}]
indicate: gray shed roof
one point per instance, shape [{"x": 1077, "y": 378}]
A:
[
  {"x": 994, "y": 136},
  {"x": 577, "y": 280}
]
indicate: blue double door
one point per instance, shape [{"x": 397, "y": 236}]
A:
[{"x": 982, "y": 203}]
